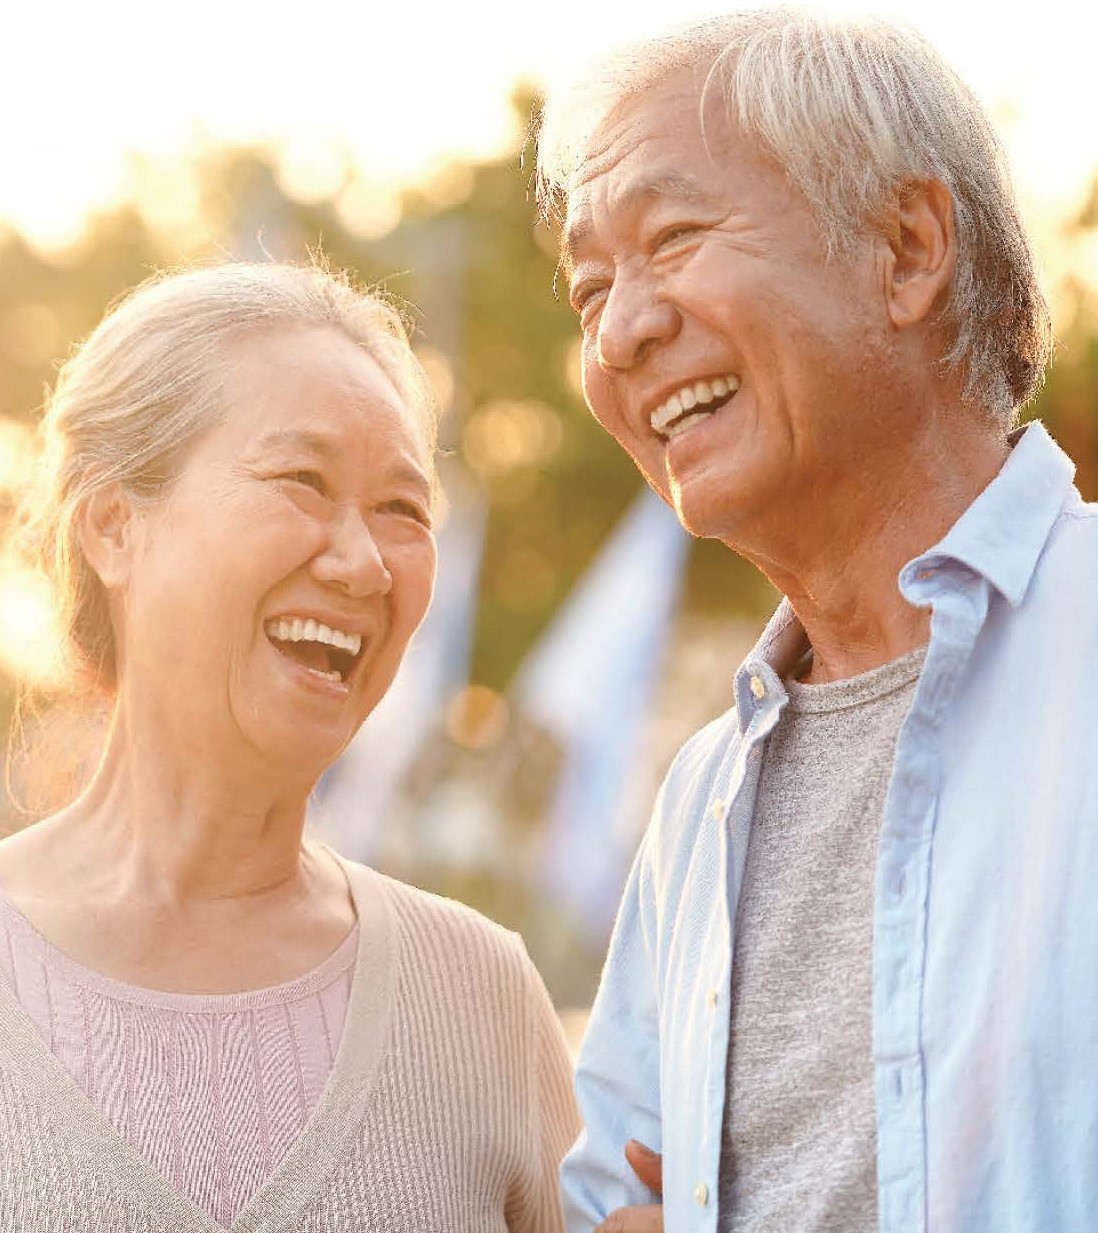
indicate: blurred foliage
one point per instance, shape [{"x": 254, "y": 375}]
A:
[
  {"x": 467, "y": 251},
  {"x": 465, "y": 248}
]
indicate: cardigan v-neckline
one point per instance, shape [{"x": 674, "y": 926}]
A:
[{"x": 313, "y": 1154}]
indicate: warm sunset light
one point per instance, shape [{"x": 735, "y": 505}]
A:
[
  {"x": 15, "y": 439},
  {"x": 29, "y": 637},
  {"x": 358, "y": 98},
  {"x": 681, "y": 553}
]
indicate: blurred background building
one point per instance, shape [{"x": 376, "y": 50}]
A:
[{"x": 577, "y": 635}]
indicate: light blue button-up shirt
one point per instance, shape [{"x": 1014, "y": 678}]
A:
[{"x": 985, "y": 930}]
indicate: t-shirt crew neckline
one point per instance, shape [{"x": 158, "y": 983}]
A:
[
  {"x": 340, "y": 1109},
  {"x": 857, "y": 690}
]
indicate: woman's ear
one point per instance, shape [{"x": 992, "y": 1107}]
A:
[
  {"x": 922, "y": 250},
  {"x": 108, "y": 530}
]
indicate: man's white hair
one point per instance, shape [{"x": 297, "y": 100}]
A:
[{"x": 853, "y": 110}]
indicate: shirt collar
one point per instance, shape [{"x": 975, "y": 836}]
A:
[
  {"x": 777, "y": 652},
  {"x": 1003, "y": 532}
]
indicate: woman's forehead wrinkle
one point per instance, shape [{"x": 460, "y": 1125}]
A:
[{"x": 309, "y": 441}]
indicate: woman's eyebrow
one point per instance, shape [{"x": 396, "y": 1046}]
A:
[{"x": 296, "y": 438}]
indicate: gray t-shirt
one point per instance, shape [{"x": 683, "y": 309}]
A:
[{"x": 799, "y": 1141}]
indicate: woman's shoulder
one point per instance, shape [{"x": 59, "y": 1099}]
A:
[
  {"x": 450, "y": 959},
  {"x": 432, "y": 925}
]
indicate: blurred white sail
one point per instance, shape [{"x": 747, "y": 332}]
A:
[{"x": 589, "y": 684}]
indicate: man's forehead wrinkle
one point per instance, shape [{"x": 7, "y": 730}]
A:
[{"x": 578, "y": 223}]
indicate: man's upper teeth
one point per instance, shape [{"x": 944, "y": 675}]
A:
[
  {"x": 696, "y": 394},
  {"x": 301, "y": 629}
]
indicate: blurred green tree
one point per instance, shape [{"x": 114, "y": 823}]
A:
[{"x": 466, "y": 249}]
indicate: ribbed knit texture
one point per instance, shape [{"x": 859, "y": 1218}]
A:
[
  {"x": 210, "y": 1090},
  {"x": 448, "y": 1107}
]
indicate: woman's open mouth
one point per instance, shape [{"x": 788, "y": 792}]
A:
[{"x": 327, "y": 653}]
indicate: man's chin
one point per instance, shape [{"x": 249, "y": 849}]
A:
[{"x": 703, "y": 515}]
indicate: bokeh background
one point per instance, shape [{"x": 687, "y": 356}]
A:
[{"x": 578, "y": 636}]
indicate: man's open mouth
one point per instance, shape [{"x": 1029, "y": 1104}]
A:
[{"x": 693, "y": 402}]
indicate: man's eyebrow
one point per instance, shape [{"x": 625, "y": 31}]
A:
[{"x": 666, "y": 185}]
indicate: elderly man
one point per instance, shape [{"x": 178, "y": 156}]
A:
[{"x": 854, "y": 980}]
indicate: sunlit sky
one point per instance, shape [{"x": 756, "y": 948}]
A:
[
  {"x": 399, "y": 88},
  {"x": 402, "y": 86}
]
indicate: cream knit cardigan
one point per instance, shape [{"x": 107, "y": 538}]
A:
[{"x": 447, "y": 1111}]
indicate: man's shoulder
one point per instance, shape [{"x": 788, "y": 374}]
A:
[
  {"x": 708, "y": 746},
  {"x": 1070, "y": 555},
  {"x": 1078, "y": 516}
]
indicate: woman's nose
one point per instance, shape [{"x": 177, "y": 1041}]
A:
[{"x": 352, "y": 559}]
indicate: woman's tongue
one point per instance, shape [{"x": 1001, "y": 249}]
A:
[{"x": 309, "y": 654}]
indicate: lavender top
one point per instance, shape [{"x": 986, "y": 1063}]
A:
[{"x": 211, "y": 1090}]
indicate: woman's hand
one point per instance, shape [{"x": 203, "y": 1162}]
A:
[{"x": 648, "y": 1166}]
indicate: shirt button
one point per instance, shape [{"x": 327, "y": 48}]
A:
[
  {"x": 757, "y": 687},
  {"x": 701, "y": 1194},
  {"x": 718, "y": 808},
  {"x": 712, "y": 998}
]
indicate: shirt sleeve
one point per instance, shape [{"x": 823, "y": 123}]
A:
[{"x": 617, "y": 1076}]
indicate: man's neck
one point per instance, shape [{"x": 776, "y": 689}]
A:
[{"x": 842, "y": 580}]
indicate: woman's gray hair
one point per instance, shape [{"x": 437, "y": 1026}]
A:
[
  {"x": 149, "y": 382},
  {"x": 852, "y": 110}
]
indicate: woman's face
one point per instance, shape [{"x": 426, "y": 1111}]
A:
[{"x": 271, "y": 594}]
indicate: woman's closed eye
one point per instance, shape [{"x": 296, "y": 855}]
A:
[
  {"x": 407, "y": 507},
  {"x": 306, "y": 478},
  {"x": 307, "y": 489}
]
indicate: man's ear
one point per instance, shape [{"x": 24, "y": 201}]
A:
[
  {"x": 922, "y": 250},
  {"x": 108, "y": 529}
]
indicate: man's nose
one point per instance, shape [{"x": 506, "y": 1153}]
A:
[
  {"x": 636, "y": 317},
  {"x": 352, "y": 559}
]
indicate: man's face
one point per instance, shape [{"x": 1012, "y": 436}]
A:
[{"x": 722, "y": 348}]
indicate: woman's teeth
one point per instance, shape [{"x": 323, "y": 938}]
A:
[
  {"x": 300, "y": 629},
  {"x": 322, "y": 651},
  {"x": 678, "y": 412}
]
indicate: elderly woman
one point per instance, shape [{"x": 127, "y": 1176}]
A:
[{"x": 206, "y": 1020}]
